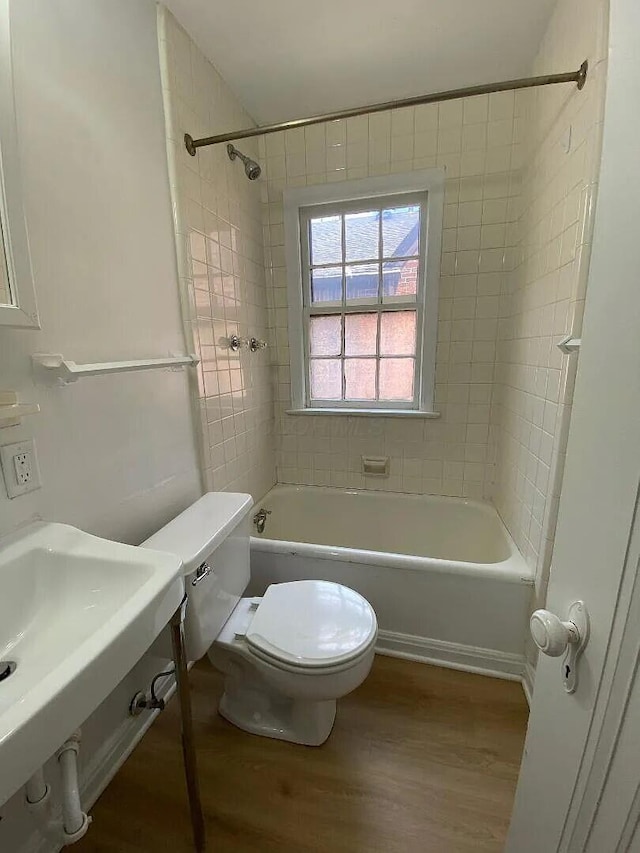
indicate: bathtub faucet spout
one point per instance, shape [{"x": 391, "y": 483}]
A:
[{"x": 260, "y": 519}]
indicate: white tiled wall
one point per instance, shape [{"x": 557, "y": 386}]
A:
[
  {"x": 542, "y": 299},
  {"x": 521, "y": 174},
  {"x": 478, "y": 142},
  {"x": 217, "y": 214}
]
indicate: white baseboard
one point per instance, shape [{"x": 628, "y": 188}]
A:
[
  {"x": 452, "y": 655},
  {"x": 108, "y": 760},
  {"x": 528, "y": 678}
]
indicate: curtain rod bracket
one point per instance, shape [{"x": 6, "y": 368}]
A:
[
  {"x": 188, "y": 144},
  {"x": 578, "y": 77},
  {"x": 582, "y": 75}
]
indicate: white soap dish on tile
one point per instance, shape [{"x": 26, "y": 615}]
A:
[{"x": 375, "y": 466}]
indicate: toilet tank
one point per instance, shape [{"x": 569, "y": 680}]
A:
[{"x": 211, "y": 537}]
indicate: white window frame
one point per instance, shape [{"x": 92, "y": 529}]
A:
[{"x": 296, "y": 202}]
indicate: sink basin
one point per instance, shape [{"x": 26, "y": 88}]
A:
[{"x": 76, "y": 613}]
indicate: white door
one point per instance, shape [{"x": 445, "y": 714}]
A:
[{"x": 571, "y": 762}]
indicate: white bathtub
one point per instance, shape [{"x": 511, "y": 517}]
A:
[{"x": 445, "y": 578}]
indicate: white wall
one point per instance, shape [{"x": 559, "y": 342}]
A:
[{"x": 117, "y": 453}]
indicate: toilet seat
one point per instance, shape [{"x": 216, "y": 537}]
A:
[
  {"x": 288, "y": 663},
  {"x": 311, "y": 626}
]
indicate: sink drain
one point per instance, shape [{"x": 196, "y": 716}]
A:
[{"x": 7, "y": 667}]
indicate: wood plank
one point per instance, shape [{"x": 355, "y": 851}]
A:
[{"x": 421, "y": 760}]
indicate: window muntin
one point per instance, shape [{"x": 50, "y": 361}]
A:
[{"x": 363, "y": 295}]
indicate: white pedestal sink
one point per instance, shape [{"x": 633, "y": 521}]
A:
[{"x": 76, "y": 613}]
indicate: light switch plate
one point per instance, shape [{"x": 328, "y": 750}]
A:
[{"x": 20, "y": 468}]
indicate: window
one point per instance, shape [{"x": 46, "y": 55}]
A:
[{"x": 363, "y": 265}]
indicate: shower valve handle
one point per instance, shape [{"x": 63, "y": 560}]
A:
[
  {"x": 255, "y": 344},
  {"x": 236, "y": 343}
]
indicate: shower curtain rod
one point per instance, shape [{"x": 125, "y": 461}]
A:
[{"x": 579, "y": 77}]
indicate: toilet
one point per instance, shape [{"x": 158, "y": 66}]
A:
[{"x": 286, "y": 656}]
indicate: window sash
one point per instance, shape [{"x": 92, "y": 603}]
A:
[
  {"x": 367, "y": 192},
  {"x": 364, "y": 305},
  {"x": 385, "y": 259}
]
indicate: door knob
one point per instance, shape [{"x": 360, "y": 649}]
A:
[
  {"x": 550, "y": 634},
  {"x": 555, "y": 637}
]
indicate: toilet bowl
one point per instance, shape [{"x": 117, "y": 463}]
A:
[
  {"x": 289, "y": 656},
  {"x": 286, "y": 656}
]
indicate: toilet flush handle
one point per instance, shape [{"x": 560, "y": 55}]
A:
[{"x": 203, "y": 570}]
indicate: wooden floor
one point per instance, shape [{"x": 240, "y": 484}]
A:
[{"x": 421, "y": 759}]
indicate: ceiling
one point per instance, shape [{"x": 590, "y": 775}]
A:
[{"x": 286, "y": 59}]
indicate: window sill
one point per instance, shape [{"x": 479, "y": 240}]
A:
[{"x": 366, "y": 413}]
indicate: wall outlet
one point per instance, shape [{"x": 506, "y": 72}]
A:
[{"x": 20, "y": 468}]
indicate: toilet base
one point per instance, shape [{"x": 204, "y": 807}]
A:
[{"x": 263, "y": 712}]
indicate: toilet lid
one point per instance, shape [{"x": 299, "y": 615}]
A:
[{"x": 312, "y": 623}]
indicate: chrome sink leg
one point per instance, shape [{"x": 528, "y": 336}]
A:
[{"x": 186, "y": 721}]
